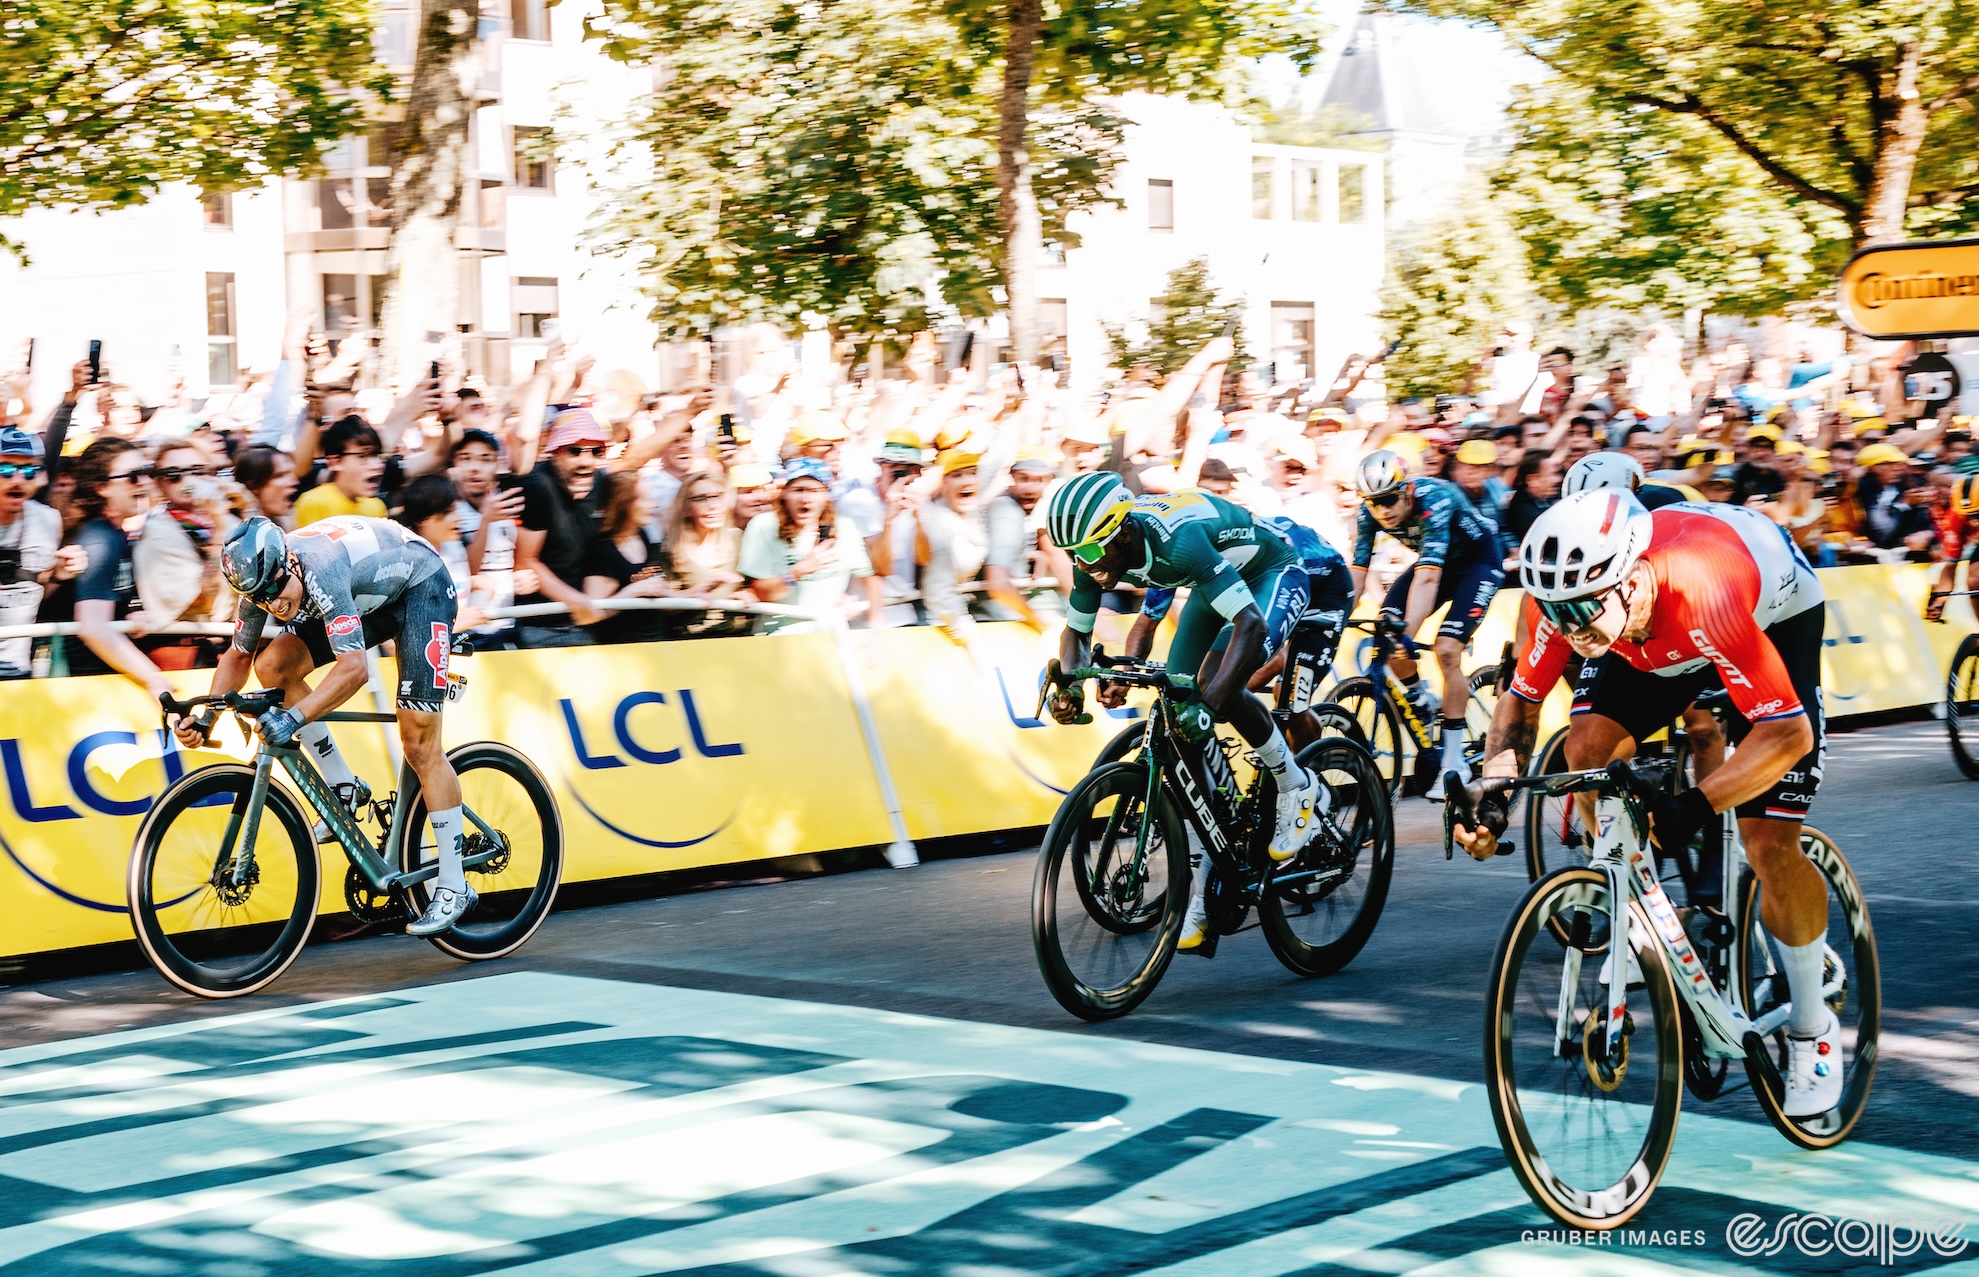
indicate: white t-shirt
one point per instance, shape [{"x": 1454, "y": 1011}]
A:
[
  {"x": 957, "y": 546},
  {"x": 494, "y": 585},
  {"x": 35, "y": 536}
]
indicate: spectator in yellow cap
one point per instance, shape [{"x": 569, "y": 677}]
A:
[
  {"x": 951, "y": 544},
  {"x": 1085, "y": 446},
  {"x": 1895, "y": 505},
  {"x": 1759, "y": 480},
  {"x": 1014, "y": 520},
  {"x": 1475, "y": 470},
  {"x": 753, "y": 486}
]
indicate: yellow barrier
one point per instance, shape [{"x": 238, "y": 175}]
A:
[{"x": 674, "y": 755}]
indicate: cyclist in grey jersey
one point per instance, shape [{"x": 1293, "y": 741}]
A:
[{"x": 343, "y": 585}]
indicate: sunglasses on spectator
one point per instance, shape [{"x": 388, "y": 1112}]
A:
[
  {"x": 585, "y": 450},
  {"x": 10, "y": 470},
  {"x": 133, "y": 474},
  {"x": 700, "y": 498},
  {"x": 358, "y": 454},
  {"x": 1383, "y": 501},
  {"x": 172, "y": 474},
  {"x": 1293, "y": 467}
]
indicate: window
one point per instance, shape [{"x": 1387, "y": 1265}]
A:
[
  {"x": 341, "y": 305},
  {"x": 218, "y": 211},
  {"x": 1161, "y": 204},
  {"x": 530, "y": 147},
  {"x": 529, "y": 20},
  {"x": 1291, "y": 340},
  {"x": 535, "y": 304},
  {"x": 1353, "y": 192},
  {"x": 378, "y": 199},
  {"x": 1261, "y": 174},
  {"x": 336, "y": 204},
  {"x": 391, "y": 40},
  {"x": 220, "y": 328},
  {"x": 1305, "y": 192}
]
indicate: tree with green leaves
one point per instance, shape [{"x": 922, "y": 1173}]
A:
[
  {"x": 827, "y": 159},
  {"x": 1453, "y": 283},
  {"x": 1864, "y": 108},
  {"x": 1188, "y": 313},
  {"x": 1629, "y": 207},
  {"x": 1069, "y": 53},
  {"x": 106, "y": 100}
]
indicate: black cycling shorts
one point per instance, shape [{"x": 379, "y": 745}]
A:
[
  {"x": 421, "y": 623},
  {"x": 1467, "y": 587},
  {"x": 1645, "y": 703}
]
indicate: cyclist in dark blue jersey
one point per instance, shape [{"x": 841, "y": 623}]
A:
[{"x": 1458, "y": 561}]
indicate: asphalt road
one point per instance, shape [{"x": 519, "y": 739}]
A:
[{"x": 951, "y": 939}]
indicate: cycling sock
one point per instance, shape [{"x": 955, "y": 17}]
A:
[
  {"x": 1274, "y": 754},
  {"x": 446, "y": 836},
  {"x": 1453, "y": 745},
  {"x": 1198, "y": 867},
  {"x": 1803, "y": 966},
  {"x": 324, "y": 753}
]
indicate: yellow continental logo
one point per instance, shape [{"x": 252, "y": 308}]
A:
[{"x": 1898, "y": 291}]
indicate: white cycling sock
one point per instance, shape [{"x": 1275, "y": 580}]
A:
[
  {"x": 1274, "y": 753},
  {"x": 1198, "y": 866},
  {"x": 324, "y": 753},
  {"x": 1803, "y": 967},
  {"x": 1453, "y": 746},
  {"x": 446, "y": 836}
]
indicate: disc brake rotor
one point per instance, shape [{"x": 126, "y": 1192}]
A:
[
  {"x": 235, "y": 894},
  {"x": 1604, "y": 1079}
]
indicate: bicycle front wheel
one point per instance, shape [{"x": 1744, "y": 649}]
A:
[
  {"x": 1111, "y": 887},
  {"x": 1851, "y": 983},
  {"x": 506, "y": 808},
  {"x": 1962, "y": 706},
  {"x": 1555, "y": 836},
  {"x": 218, "y": 916},
  {"x": 1321, "y": 906},
  {"x": 1586, "y": 1134},
  {"x": 1379, "y": 730}
]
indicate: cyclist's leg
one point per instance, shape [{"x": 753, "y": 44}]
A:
[
  {"x": 283, "y": 662},
  {"x": 1468, "y": 590},
  {"x": 1616, "y": 705},
  {"x": 1394, "y": 609},
  {"x": 425, "y": 643},
  {"x": 1794, "y": 902}
]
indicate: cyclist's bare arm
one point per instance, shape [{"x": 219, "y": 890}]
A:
[
  {"x": 229, "y": 676},
  {"x": 1074, "y": 648},
  {"x": 1507, "y": 749},
  {"x": 347, "y": 674},
  {"x": 1140, "y": 641}
]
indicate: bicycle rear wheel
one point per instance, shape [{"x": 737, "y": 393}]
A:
[
  {"x": 1962, "y": 706},
  {"x": 1587, "y": 1141},
  {"x": 1111, "y": 887},
  {"x": 1855, "y": 993},
  {"x": 1477, "y": 715},
  {"x": 1321, "y": 906},
  {"x": 205, "y": 932},
  {"x": 516, "y": 887},
  {"x": 1379, "y": 729}
]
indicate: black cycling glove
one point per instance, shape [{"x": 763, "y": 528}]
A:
[
  {"x": 1676, "y": 819},
  {"x": 1494, "y": 812}
]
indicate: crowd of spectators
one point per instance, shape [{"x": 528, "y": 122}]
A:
[{"x": 915, "y": 498}]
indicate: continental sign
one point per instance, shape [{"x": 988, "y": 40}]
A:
[
  {"x": 668, "y": 756},
  {"x": 1900, "y": 291}
]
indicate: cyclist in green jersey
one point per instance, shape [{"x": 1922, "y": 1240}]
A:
[{"x": 1247, "y": 589}]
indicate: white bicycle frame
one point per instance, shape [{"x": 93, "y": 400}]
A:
[{"x": 1621, "y": 852}]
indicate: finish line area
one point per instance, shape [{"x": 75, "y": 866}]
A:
[{"x": 551, "y": 1125}]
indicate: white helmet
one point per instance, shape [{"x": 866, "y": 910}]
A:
[
  {"x": 1581, "y": 547},
  {"x": 1380, "y": 472},
  {"x": 1603, "y": 470}
]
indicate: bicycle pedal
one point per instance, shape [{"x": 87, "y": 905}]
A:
[
  {"x": 1506, "y": 847},
  {"x": 1207, "y": 949}
]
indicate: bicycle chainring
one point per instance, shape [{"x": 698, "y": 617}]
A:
[
  {"x": 1224, "y": 901},
  {"x": 379, "y": 908}
]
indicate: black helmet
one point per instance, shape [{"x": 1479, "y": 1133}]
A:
[{"x": 255, "y": 560}]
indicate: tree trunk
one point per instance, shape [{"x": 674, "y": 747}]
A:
[
  {"x": 1901, "y": 125},
  {"x": 429, "y": 168},
  {"x": 1016, "y": 205}
]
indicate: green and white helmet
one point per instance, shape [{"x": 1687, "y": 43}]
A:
[{"x": 1080, "y": 506}]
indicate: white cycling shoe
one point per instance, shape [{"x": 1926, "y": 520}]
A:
[
  {"x": 1296, "y": 816},
  {"x": 445, "y": 910},
  {"x": 1814, "y": 1071},
  {"x": 1197, "y": 937},
  {"x": 353, "y": 795}
]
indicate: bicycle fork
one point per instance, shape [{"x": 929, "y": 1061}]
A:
[{"x": 243, "y": 828}]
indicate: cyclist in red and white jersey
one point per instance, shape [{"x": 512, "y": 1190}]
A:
[{"x": 1665, "y": 606}]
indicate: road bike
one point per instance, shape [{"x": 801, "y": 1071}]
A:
[
  {"x": 1112, "y": 882},
  {"x": 224, "y": 874},
  {"x": 1962, "y": 702},
  {"x": 1586, "y": 1059},
  {"x": 1554, "y": 832},
  {"x": 1408, "y": 744}
]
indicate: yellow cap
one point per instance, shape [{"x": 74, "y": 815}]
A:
[
  {"x": 1778, "y": 411},
  {"x": 748, "y": 475},
  {"x": 1478, "y": 452},
  {"x": 1035, "y": 456},
  {"x": 956, "y": 459},
  {"x": 1856, "y": 408},
  {"x": 1877, "y": 454},
  {"x": 1763, "y": 431},
  {"x": 817, "y": 427},
  {"x": 1863, "y": 425},
  {"x": 1298, "y": 448},
  {"x": 1790, "y": 447},
  {"x": 903, "y": 438},
  {"x": 1820, "y": 464}
]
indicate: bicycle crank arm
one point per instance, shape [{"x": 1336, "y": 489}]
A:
[{"x": 428, "y": 872}]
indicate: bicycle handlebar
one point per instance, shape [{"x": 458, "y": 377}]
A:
[
  {"x": 1129, "y": 670},
  {"x": 247, "y": 704},
  {"x": 1641, "y": 781}
]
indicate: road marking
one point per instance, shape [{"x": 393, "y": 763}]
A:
[{"x": 550, "y": 1126}]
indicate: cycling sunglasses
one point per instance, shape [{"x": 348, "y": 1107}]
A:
[
  {"x": 1093, "y": 548},
  {"x": 1574, "y": 614},
  {"x": 8, "y": 470},
  {"x": 1383, "y": 501}
]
